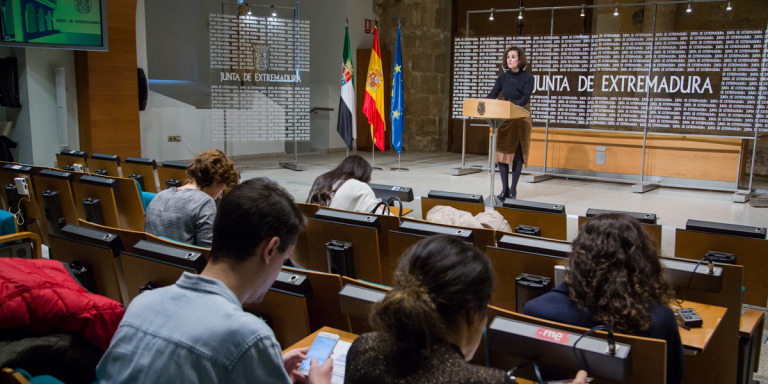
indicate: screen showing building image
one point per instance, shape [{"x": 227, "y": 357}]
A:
[{"x": 59, "y": 22}]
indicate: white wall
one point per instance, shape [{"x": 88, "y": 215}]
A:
[
  {"x": 41, "y": 86},
  {"x": 36, "y": 122}
]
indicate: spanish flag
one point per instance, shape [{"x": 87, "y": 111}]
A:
[{"x": 373, "y": 106}]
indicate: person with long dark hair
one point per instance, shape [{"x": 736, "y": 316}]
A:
[
  {"x": 615, "y": 279},
  {"x": 430, "y": 324},
  {"x": 345, "y": 187},
  {"x": 513, "y": 139}
]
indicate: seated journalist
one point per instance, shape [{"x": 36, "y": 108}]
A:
[
  {"x": 615, "y": 279},
  {"x": 196, "y": 330},
  {"x": 430, "y": 324},
  {"x": 186, "y": 214}
]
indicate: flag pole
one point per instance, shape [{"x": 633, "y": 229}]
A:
[{"x": 373, "y": 155}]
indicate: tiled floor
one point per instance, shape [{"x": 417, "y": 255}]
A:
[{"x": 431, "y": 171}]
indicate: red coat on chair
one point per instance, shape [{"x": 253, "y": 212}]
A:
[{"x": 41, "y": 296}]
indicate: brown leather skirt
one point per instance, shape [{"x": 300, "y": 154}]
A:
[{"x": 511, "y": 133}]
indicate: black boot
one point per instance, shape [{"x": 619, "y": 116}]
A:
[{"x": 504, "y": 173}]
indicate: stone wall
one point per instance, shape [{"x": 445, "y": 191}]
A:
[{"x": 426, "y": 44}]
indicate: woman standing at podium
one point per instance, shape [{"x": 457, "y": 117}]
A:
[{"x": 514, "y": 136}]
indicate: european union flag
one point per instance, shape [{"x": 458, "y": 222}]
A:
[{"x": 397, "y": 99}]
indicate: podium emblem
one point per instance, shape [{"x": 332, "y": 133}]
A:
[
  {"x": 481, "y": 108},
  {"x": 600, "y": 155}
]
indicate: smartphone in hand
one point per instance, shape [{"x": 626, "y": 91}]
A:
[{"x": 321, "y": 349}]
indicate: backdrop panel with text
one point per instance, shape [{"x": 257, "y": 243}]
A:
[
  {"x": 699, "y": 82},
  {"x": 259, "y": 78}
]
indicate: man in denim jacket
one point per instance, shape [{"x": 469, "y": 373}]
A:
[{"x": 196, "y": 331}]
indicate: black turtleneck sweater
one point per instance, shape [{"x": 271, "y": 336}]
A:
[{"x": 515, "y": 87}]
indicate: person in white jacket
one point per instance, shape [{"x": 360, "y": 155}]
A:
[{"x": 345, "y": 187}]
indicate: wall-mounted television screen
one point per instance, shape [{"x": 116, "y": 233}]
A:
[{"x": 67, "y": 24}]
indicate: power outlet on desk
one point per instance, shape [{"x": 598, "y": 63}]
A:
[{"x": 174, "y": 139}]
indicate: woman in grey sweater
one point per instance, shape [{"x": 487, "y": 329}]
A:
[{"x": 186, "y": 214}]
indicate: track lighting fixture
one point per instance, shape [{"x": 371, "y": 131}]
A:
[{"x": 491, "y": 18}]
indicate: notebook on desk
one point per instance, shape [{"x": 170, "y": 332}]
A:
[{"x": 339, "y": 356}]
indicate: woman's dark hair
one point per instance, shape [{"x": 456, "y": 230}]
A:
[
  {"x": 439, "y": 280},
  {"x": 615, "y": 273},
  {"x": 522, "y": 59},
  {"x": 254, "y": 211},
  {"x": 352, "y": 167},
  {"x": 212, "y": 167}
]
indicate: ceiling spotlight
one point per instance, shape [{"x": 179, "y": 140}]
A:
[
  {"x": 728, "y": 8},
  {"x": 491, "y": 18},
  {"x": 582, "y": 11},
  {"x": 274, "y": 13},
  {"x": 616, "y": 11},
  {"x": 689, "y": 10},
  {"x": 520, "y": 15}
]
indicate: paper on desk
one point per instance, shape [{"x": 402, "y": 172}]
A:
[{"x": 339, "y": 356}]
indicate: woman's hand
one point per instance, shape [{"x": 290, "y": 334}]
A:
[
  {"x": 318, "y": 374},
  {"x": 581, "y": 378}
]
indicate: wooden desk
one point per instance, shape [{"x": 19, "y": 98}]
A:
[
  {"x": 697, "y": 339},
  {"x": 396, "y": 211},
  {"x": 307, "y": 341}
]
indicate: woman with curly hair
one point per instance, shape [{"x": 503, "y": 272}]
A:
[
  {"x": 186, "y": 214},
  {"x": 615, "y": 279}
]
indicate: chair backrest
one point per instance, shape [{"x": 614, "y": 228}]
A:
[
  {"x": 7, "y": 177},
  {"x": 509, "y": 264},
  {"x": 750, "y": 253},
  {"x": 427, "y": 204},
  {"x": 301, "y": 252},
  {"x": 129, "y": 204},
  {"x": 165, "y": 173},
  {"x": 289, "y": 314},
  {"x": 129, "y": 167},
  {"x": 63, "y": 160},
  {"x": 107, "y": 200},
  {"x": 360, "y": 326},
  {"x": 35, "y": 219},
  {"x": 399, "y": 242},
  {"x": 649, "y": 356},
  {"x": 66, "y": 199},
  {"x": 157, "y": 239},
  {"x": 365, "y": 247},
  {"x": 140, "y": 271},
  {"x": 324, "y": 308},
  {"x": 128, "y": 237},
  {"x": 107, "y": 269},
  {"x": 552, "y": 225},
  {"x": 719, "y": 360},
  {"x": 112, "y": 167},
  {"x": 653, "y": 231}
]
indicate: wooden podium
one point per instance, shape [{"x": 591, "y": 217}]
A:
[{"x": 494, "y": 112}]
